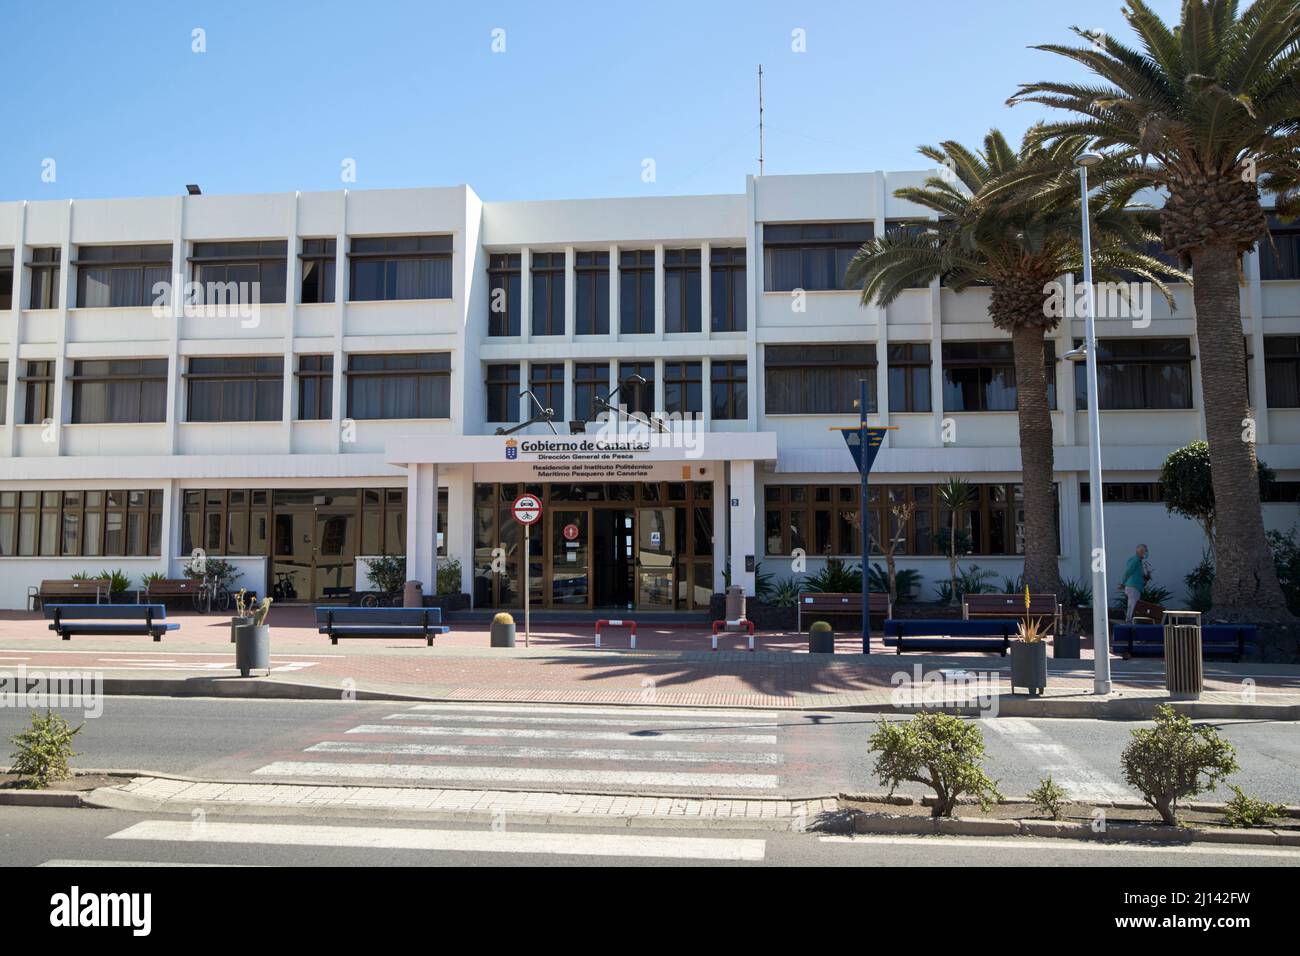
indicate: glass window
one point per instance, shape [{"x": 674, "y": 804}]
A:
[
  {"x": 546, "y": 379},
  {"x": 909, "y": 377},
  {"x": 818, "y": 379},
  {"x": 504, "y": 296},
  {"x": 592, "y": 293},
  {"x": 119, "y": 390},
  {"x": 727, "y": 383},
  {"x": 636, "y": 390},
  {"x": 45, "y": 279},
  {"x": 37, "y": 383},
  {"x": 682, "y": 290},
  {"x": 315, "y": 387},
  {"x": 122, "y": 276},
  {"x": 1139, "y": 373},
  {"x": 810, "y": 256},
  {"x": 548, "y": 293},
  {"x": 1280, "y": 259},
  {"x": 590, "y": 382},
  {"x": 981, "y": 376},
  {"x": 6, "y": 279},
  {"x": 636, "y": 296},
  {"x": 400, "y": 267},
  {"x": 727, "y": 289},
  {"x": 241, "y": 272},
  {"x": 503, "y": 393},
  {"x": 399, "y": 385},
  {"x": 683, "y": 388},
  {"x": 235, "y": 389},
  {"x": 319, "y": 269},
  {"x": 1282, "y": 370}
]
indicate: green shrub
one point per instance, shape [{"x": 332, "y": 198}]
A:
[
  {"x": 503, "y": 618},
  {"x": 118, "y": 580},
  {"x": 973, "y": 580},
  {"x": 820, "y": 627},
  {"x": 906, "y": 580},
  {"x": 449, "y": 576},
  {"x": 785, "y": 593},
  {"x": 1048, "y": 797},
  {"x": 1075, "y": 593},
  {"x": 219, "y": 569},
  {"x": 44, "y": 750},
  {"x": 151, "y": 577},
  {"x": 835, "y": 577},
  {"x": 1286, "y": 559},
  {"x": 940, "y": 751},
  {"x": 1175, "y": 759},
  {"x": 1244, "y": 811},
  {"x": 387, "y": 572}
]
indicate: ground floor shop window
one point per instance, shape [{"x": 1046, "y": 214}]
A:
[{"x": 99, "y": 523}]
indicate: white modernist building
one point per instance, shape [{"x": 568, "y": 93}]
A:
[{"x": 352, "y": 411}]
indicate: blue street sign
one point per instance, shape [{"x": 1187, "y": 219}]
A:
[{"x": 854, "y": 440}]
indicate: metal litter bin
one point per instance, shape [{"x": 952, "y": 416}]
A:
[
  {"x": 735, "y": 603},
  {"x": 1184, "y": 670}
]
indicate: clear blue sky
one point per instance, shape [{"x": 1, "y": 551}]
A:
[{"x": 583, "y": 93}]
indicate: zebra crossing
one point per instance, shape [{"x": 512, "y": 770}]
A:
[{"x": 667, "y": 750}]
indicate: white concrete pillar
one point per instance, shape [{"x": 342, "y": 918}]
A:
[
  {"x": 706, "y": 293},
  {"x": 460, "y": 524},
  {"x": 719, "y": 526},
  {"x": 525, "y": 294},
  {"x": 660, "y": 298},
  {"x": 422, "y": 525},
  {"x": 741, "y": 518}
]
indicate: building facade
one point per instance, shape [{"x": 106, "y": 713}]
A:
[{"x": 352, "y": 410}]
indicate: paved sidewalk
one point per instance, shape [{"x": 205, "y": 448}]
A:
[{"x": 164, "y": 793}]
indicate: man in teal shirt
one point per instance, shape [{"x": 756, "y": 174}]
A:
[{"x": 1134, "y": 579}]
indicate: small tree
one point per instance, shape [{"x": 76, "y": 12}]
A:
[
  {"x": 1175, "y": 759},
  {"x": 956, "y": 495},
  {"x": 1188, "y": 489},
  {"x": 1048, "y": 797},
  {"x": 939, "y": 750},
  {"x": 387, "y": 572},
  {"x": 900, "y": 515},
  {"x": 44, "y": 750}
]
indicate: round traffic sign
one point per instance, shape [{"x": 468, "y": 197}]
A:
[
  {"x": 527, "y": 509},
  {"x": 570, "y": 532}
]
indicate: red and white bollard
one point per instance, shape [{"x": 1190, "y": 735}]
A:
[
  {"x": 733, "y": 625},
  {"x": 629, "y": 624}
]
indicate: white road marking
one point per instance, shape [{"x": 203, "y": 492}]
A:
[
  {"x": 454, "y": 841},
  {"x": 750, "y": 716},
  {"x": 550, "y": 734},
  {"x": 576, "y": 719},
  {"x": 539, "y": 753},
  {"x": 628, "y": 778},
  {"x": 1069, "y": 770},
  {"x": 82, "y": 864},
  {"x": 1014, "y": 843}
]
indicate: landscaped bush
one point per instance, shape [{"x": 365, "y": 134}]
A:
[
  {"x": 387, "y": 572},
  {"x": 973, "y": 580},
  {"x": 785, "y": 593},
  {"x": 1075, "y": 593},
  {"x": 939, "y": 750},
  {"x": 835, "y": 577},
  {"x": 118, "y": 580},
  {"x": 1244, "y": 811},
  {"x": 906, "y": 580},
  {"x": 1048, "y": 797},
  {"x": 1175, "y": 759},
  {"x": 44, "y": 750},
  {"x": 449, "y": 576}
]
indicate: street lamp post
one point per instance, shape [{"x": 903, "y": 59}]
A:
[{"x": 1100, "y": 625}]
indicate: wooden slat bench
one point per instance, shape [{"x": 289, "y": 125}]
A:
[
  {"x": 381, "y": 622},
  {"x": 338, "y": 594},
  {"x": 820, "y": 604},
  {"x": 981, "y": 635},
  {"x": 162, "y": 589},
  {"x": 1217, "y": 640},
  {"x": 1042, "y": 606},
  {"x": 108, "y": 619},
  {"x": 95, "y": 590}
]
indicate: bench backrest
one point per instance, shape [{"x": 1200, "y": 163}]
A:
[
  {"x": 410, "y": 616},
  {"x": 1009, "y": 604},
  {"x": 1145, "y": 609},
  {"x": 825, "y": 600},
  {"x": 105, "y": 612},
  {"x": 75, "y": 587},
  {"x": 172, "y": 586}
]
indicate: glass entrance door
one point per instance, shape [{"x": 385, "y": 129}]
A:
[
  {"x": 656, "y": 558},
  {"x": 570, "y": 578},
  {"x": 335, "y": 566}
]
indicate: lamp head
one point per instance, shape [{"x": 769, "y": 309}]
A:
[{"x": 1087, "y": 158}]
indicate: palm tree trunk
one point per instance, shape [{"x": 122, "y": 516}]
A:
[
  {"x": 1037, "y": 461},
  {"x": 1245, "y": 580}
]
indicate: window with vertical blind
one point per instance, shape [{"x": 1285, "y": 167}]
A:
[
  {"x": 37, "y": 383},
  {"x": 817, "y": 379},
  {"x": 636, "y": 292},
  {"x": 388, "y": 268},
  {"x": 97, "y": 523},
  {"x": 728, "y": 384},
  {"x": 244, "y": 388},
  {"x": 503, "y": 393},
  {"x": 682, "y": 299},
  {"x": 1138, "y": 373},
  {"x": 812, "y": 256},
  {"x": 505, "y": 294},
  {"x": 44, "y": 270},
  {"x": 399, "y": 385},
  {"x": 727, "y": 289},
  {"x": 548, "y": 293},
  {"x": 546, "y": 379},
  {"x": 239, "y": 265},
  {"x": 591, "y": 293},
  {"x": 119, "y": 390},
  {"x": 121, "y": 276},
  {"x": 909, "y": 377},
  {"x": 1282, "y": 370},
  {"x": 590, "y": 381}
]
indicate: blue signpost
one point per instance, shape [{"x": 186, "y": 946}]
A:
[{"x": 864, "y": 445}]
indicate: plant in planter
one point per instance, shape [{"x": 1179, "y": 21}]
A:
[
  {"x": 244, "y": 608},
  {"x": 503, "y": 630},
  {"x": 119, "y": 582},
  {"x": 387, "y": 573},
  {"x": 1175, "y": 759},
  {"x": 941, "y": 751},
  {"x": 1029, "y": 653},
  {"x": 821, "y": 638},
  {"x": 253, "y": 640}
]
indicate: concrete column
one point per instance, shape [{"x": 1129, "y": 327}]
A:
[
  {"x": 20, "y": 293},
  {"x": 936, "y": 361},
  {"x": 422, "y": 525},
  {"x": 341, "y": 293},
  {"x": 293, "y": 282},
  {"x": 1255, "y": 373},
  {"x": 720, "y": 510},
  {"x": 525, "y": 294},
  {"x": 460, "y": 524},
  {"x": 706, "y": 293},
  {"x": 742, "y": 509},
  {"x": 570, "y": 291},
  {"x": 613, "y": 293},
  {"x": 66, "y": 296},
  {"x": 660, "y": 299}
]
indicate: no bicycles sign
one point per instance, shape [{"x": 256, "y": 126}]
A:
[{"x": 527, "y": 509}]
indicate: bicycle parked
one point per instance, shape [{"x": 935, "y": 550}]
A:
[
  {"x": 210, "y": 594},
  {"x": 384, "y": 599}
]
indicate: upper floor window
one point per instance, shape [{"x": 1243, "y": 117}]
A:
[
  {"x": 682, "y": 290},
  {"x": 1139, "y": 373},
  {"x": 592, "y": 290},
  {"x": 119, "y": 390},
  {"x": 121, "y": 276},
  {"x": 818, "y": 379},
  {"x": 45, "y": 279},
  {"x": 811, "y": 255},
  {"x": 6, "y": 279},
  {"x": 386, "y": 268},
  {"x": 636, "y": 292},
  {"x": 315, "y": 387},
  {"x": 1281, "y": 258},
  {"x": 727, "y": 289},
  {"x": 548, "y": 293},
  {"x": 1282, "y": 370},
  {"x": 230, "y": 271},
  {"x": 981, "y": 376},
  {"x": 636, "y": 389},
  {"x": 319, "y": 269},
  {"x": 909, "y": 377},
  {"x": 399, "y": 385},
  {"x": 590, "y": 381},
  {"x": 683, "y": 388},
  {"x": 546, "y": 379},
  {"x": 503, "y": 393},
  {"x": 37, "y": 382},
  {"x": 504, "y": 295},
  {"x": 243, "y": 388},
  {"x": 728, "y": 385}
]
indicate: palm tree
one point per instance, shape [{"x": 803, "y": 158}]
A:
[
  {"x": 955, "y": 495},
  {"x": 1206, "y": 109},
  {"x": 1010, "y": 220}
]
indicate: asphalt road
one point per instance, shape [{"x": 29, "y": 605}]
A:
[{"x": 694, "y": 751}]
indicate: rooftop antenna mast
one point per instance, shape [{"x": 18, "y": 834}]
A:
[{"x": 760, "y": 119}]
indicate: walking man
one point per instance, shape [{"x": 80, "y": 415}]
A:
[{"x": 1134, "y": 579}]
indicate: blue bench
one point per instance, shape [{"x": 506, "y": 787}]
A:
[
  {"x": 110, "y": 619},
  {"x": 1217, "y": 640},
  {"x": 982, "y": 635},
  {"x": 424, "y": 622}
]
